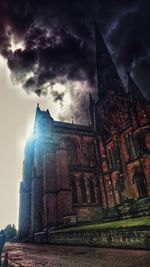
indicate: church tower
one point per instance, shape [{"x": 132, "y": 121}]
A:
[
  {"x": 112, "y": 107},
  {"x": 112, "y": 115}
]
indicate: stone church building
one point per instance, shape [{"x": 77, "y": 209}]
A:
[{"x": 96, "y": 172}]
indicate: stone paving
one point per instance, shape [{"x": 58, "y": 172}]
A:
[{"x": 31, "y": 255}]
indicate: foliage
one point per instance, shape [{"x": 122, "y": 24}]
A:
[{"x": 10, "y": 232}]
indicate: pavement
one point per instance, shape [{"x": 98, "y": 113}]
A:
[{"x": 32, "y": 255}]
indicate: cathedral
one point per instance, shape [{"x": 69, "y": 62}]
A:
[{"x": 77, "y": 174}]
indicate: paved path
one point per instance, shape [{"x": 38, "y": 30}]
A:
[{"x": 30, "y": 255}]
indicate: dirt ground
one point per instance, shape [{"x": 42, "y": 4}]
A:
[{"x": 31, "y": 255}]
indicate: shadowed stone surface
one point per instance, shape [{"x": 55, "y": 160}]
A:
[{"x": 30, "y": 255}]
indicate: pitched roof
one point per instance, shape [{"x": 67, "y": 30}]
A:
[{"x": 134, "y": 93}]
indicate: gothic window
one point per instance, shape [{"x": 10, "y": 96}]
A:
[
  {"x": 71, "y": 151},
  {"x": 114, "y": 157},
  {"x": 74, "y": 192},
  {"x": 120, "y": 187},
  {"x": 111, "y": 158},
  {"x": 83, "y": 190},
  {"x": 141, "y": 142},
  {"x": 131, "y": 146},
  {"x": 89, "y": 153},
  {"x": 92, "y": 191},
  {"x": 141, "y": 184}
]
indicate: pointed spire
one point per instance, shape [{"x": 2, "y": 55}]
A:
[
  {"x": 134, "y": 93},
  {"x": 41, "y": 113},
  {"x": 107, "y": 76}
]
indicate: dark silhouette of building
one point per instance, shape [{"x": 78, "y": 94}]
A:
[{"x": 98, "y": 171}]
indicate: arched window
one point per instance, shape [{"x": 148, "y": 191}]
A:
[
  {"x": 141, "y": 183},
  {"x": 114, "y": 157},
  {"x": 131, "y": 146},
  {"x": 74, "y": 192},
  {"x": 120, "y": 187},
  {"x": 92, "y": 191},
  {"x": 83, "y": 190},
  {"x": 71, "y": 147}
]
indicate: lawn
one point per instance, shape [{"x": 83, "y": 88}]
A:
[{"x": 142, "y": 221}]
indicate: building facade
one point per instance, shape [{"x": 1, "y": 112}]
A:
[{"x": 97, "y": 171}]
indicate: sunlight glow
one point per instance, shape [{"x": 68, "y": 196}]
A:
[{"x": 17, "y": 114}]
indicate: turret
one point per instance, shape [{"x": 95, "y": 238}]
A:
[{"x": 43, "y": 123}]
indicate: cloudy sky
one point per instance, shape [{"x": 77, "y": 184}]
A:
[{"x": 47, "y": 56}]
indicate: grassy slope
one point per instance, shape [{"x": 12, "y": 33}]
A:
[{"x": 123, "y": 223}]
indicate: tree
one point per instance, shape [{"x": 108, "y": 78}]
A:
[{"x": 10, "y": 232}]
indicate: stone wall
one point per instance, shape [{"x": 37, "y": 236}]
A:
[
  {"x": 88, "y": 213},
  {"x": 133, "y": 237}
]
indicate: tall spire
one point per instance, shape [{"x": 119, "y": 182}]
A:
[
  {"x": 134, "y": 93},
  {"x": 107, "y": 76}
]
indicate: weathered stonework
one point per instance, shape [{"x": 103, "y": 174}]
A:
[
  {"x": 96, "y": 172},
  {"x": 133, "y": 237}
]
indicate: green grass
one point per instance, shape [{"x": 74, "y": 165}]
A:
[{"x": 142, "y": 221}]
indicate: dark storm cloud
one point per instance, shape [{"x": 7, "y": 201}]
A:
[
  {"x": 59, "y": 42},
  {"x": 131, "y": 43},
  {"x": 56, "y": 40},
  {"x": 57, "y": 96}
]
